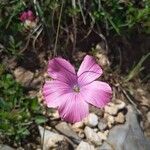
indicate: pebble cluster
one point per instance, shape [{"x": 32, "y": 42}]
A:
[{"x": 93, "y": 130}]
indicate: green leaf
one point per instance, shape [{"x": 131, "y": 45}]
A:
[
  {"x": 40, "y": 119},
  {"x": 34, "y": 105}
]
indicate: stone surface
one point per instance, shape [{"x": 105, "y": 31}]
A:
[
  {"x": 23, "y": 76},
  {"x": 111, "y": 109},
  {"x": 141, "y": 91},
  {"x": 128, "y": 136},
  {"x": 145, "y": 101},
  {"x": 102, "y": 60},
  {"x": 51, "y": 139},
  {"x": 120, "y": 104},
  {"x": 55, "y": 114},
  {"x": 65, "y": 129},
  {"x": 103, "y": 135},
  {"x": 102, "y": 125},
  {"x": 101, "y": 55},
  {"x": 85, "y": 146},
  {"x": 78, "y": 125},
  {"x": 81, "y": 134},
  {"x": 97, "y": 111},
  {"x": 92, "y": 136},
  {"x": 95, "y": 129},
  {"x": 120, "y": 118},
  {"x": 148, "y": 116},
  {"x": 110, "y": 119},
  {"x": 5, "y": 147},
  {"x": 37, "y": 82},
  {"x": 91, "y": 120}
]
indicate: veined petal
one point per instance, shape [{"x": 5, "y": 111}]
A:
[
  {"x": 74, "y": 108},
  {"x": 88, "y": 71},
  {"x": 52, "y": 92},
  {"x": 97, "y": 93},
  {"x": 60, "y": 69}
]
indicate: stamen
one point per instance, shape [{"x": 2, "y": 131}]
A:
[{"x": 76, "y": 88}]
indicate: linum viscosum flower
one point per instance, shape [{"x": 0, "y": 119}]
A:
[{"x": 71, "y": 92}]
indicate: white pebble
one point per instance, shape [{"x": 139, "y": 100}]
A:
[
  {"x": 85, "y": 146},
  {"x": 91, "y": 120},
  {"x": 102, "y": 125},
  {"x": 92, "y": 136},
  {"x": 120, "y": 118}
]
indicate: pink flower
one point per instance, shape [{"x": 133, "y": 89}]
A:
[
  {"x": 71, "y": 92},
  {"x": 27, "y": 15}
]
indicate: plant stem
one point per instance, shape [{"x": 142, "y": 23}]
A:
[{"x": 58, "y": 27}]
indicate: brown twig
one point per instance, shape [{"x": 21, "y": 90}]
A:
[
  {"x": 36, "y": 37},
  {"x": 130, "y": 100}
]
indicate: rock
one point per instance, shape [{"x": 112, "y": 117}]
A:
[
  {"x": 102, "y": 125},
  {"x": 32, "y": 94},
  {"x": 148, "y": 116},
  {"x": 37, "y": 82},
  {"x": 65, "y": 129},
  {"x": 95, "y": 129},
  {"x": 145, "y": 101},
  {"x": 51, "y": 139},
  {"x": 78, "y": 125},
  {"x": 101, "y": 55},
  {"x": 81, "y": 134},
  {"x": 141, "y": 91},
  {"x": 144, "y": 108},
  {"x": 23, "y": 76},
  {"x": 111, "y": 109},
  {"x": 85, "y": 146},
  {"x": 103, "y": 135},
  {"x": 92, "y": 136},
  {"x": 128, "y": 136},
  {"x": 107, "y": 146},
  {"x": 120, "y": 104},
  {"x": 5, "y": 147},
  {"x": 120, "y": 118},
  {"x": 55, "y": 114},
  {"x": 97, "y": 111},
  {"x": 110, "y": 119},
  {"x": 91, "y": 120},
  {"x": 102, "y": 60}
]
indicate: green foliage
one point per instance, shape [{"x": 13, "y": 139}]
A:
[
  {"x": 121, "y": 15},
  {"x": 17, "y": 111},
  {"x": 13, "y": 47},
  {"x": 114, "y": 16}
]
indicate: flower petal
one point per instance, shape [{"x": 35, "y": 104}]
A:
[
  {"x": 74, "y": 108},
  {"x": 52, "y": 90},
  {"x": 60, "y": 69},
  {"x": 23, "y": 16},
  {"x": 30, "y": 15},
  {"x": 88, "y": 71},
  {"x": 97, "y": 93}
]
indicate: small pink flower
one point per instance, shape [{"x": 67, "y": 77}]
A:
[
  {"x": 23, "y": 16},
  {"x": 71, "y": 92},
  {"x": 30, "y": 15},
  {"x": 27, "y": 15}
]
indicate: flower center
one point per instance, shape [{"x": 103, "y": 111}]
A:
[{"x": 76, "y": 88}]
